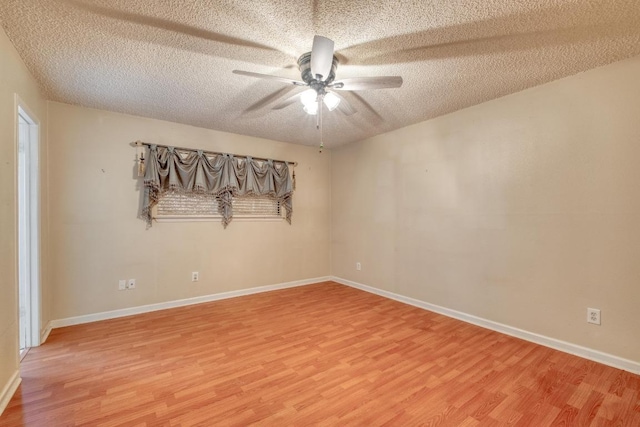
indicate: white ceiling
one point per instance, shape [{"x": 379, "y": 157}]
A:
[{"x": 172, "y": 60}]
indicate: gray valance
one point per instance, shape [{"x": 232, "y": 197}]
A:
[{"x": 221, "y": 175}]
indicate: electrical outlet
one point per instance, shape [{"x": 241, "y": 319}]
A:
[
  {"x": 131, "y": 284},
  {"x": 122, "y": 285},
  {"x": 358, "y": 266},
  {"x": 195, "y": 276},
  {"x": 593, "y": 316}
]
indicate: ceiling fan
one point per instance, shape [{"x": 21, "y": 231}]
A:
[{"x": 318, "y": 72}]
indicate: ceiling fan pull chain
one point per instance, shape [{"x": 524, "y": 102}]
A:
[
  {"x": 320, "y": 120},
  {"x": 318, "y": 112}
]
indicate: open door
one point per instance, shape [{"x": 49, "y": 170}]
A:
[{"x": 28, "y": 228}]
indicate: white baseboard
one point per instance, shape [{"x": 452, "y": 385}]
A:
[
  {"x": 576, "y": 350},
  {"x": 45, "y": 333},
  {"x": 9, "y": 390},
  {"x": 77, "y": 320}
]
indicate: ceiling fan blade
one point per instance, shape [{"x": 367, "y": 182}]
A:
[
  {"x": 269, "y": 77},
  {"x": 286, "y": 102},
  {"x": 321, "y": 56},
  {"x": 376, "y": 117},
  {"x": 345, "y": 107},
  {"x": 176, "y": 35},
  {"x": 366, "y": 83},
  {"x": 263, "y": 105}
]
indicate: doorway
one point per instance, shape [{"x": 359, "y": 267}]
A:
[{"x": 28, "y": 227}]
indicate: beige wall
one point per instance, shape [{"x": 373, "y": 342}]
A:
[
  {"x": 524, "y": 210},
  {"x": 15, "y": 79},
  {"x": 98, "y": 239}
]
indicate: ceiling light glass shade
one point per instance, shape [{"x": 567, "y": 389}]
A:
[
  {"x": 308, "y": 97},
  {"x": 311, "y": 108},
  {"x": 331, "y": 101}
]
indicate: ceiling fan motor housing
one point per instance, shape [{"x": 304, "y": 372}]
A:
[{"x": 304, "y": 64}]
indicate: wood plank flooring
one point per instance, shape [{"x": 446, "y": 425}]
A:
[{"x": 322, "y": 354}]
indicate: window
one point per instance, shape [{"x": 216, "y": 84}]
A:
[
  {"x": 197, "y": 174},
  {"x": 180, "y": 206}
]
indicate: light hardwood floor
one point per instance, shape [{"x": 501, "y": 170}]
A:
[{"x": 322, "y": 354}]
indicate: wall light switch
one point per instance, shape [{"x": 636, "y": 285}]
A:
[{"x": 122, "y": 285}]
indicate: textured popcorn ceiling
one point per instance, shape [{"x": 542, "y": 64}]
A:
[{"x": 172, "y": 60}]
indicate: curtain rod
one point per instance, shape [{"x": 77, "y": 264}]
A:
[{"x": 139, "y": 143}]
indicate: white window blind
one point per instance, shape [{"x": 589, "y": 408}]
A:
[{"x": 185, "y": 206}]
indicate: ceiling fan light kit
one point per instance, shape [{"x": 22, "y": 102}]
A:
[
  {"x": 318, "y": 72},
  {"x": 309, "y": 100}
]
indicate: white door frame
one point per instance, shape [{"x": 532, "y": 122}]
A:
[{"x": 32, "y": 203}]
